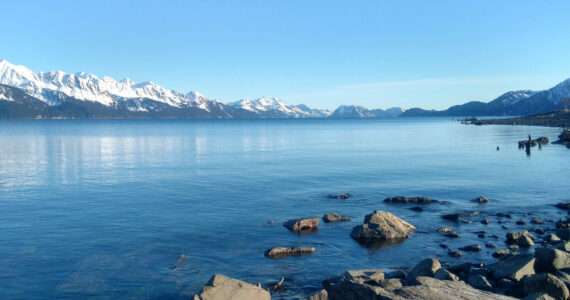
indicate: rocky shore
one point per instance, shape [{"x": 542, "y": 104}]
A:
[
  {"x": 550, "y": 119},
  {"x": 534, "y": 264}
]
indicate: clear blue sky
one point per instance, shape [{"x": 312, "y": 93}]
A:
[{"x": 379, "y": 54}]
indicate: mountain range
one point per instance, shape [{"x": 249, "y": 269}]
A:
[{"x": 56, "y": 94}]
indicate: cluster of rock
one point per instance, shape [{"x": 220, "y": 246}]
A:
[
  {"x": 564, "y": 138},
  {"x": 531, "y": 143}
]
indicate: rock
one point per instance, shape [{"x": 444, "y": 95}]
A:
[
  {"x": 455, "y": 254},
  {"x": 479, "y": 282},
  {"x": 485, "y": 221},
  {"x": 521, "y": 222},
  {"x": 303, "y": 225},
  {"x": 460, "y": 268},
  {"x": 443, "y": 274},
  {"x": 416, "y": 208},
  {"x": 550, "y": 260},
  {"x": 395, "y": 274},
  {"x": 426, "y": 267},
  {"x": 491, "y": 245},
  {"x": 271, "y": 222},
  {"x": 481, "y": 235},
  {"x": 564, "y": 277},
  {"x": 350, "y": 287},
  {"x": 413, "y": 200},
  {"x": 548, "y": 283},
  {"x": 366, "y": 274},
  {"x": 445, "y": 229},
  {"x": 552, "y": 238},
  {"x": 564, "y": 246},
  {"x": 381, "y": 226},
  {"x": 536, "y": 221},
  {"x": 538, "y": 296},
  {"x": 340, "y": 196},
  {"x": 222, "y": 287},
  {"x": 514, "y": 267},
  {"x": 471, "y": 248},
  {"x": 320, "y": 295},
  {"x": 389, "y": 284},
  {"x": 452, "y": 235},
  {"x": 334, "y": 217},
  {"x": 455, "y": 216},
  {"x": 443, "y": 246},
  {"x": 501, "y": 253},
  {"x": 563, "y": 223},
  {"x": 564, "y": 205},
  {"x": 480, "y": 199},
  {"x": 539, "y": 231},
  {"x": 514, "y": 247},
  {"x": 278, "y": 252},
  {"x": 433, "y": 289},
  {"x": 563, "y": 233},
  {"x": 523, "y": 239}
]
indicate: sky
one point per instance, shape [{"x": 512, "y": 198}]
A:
[{"x": 379, "y": 54}]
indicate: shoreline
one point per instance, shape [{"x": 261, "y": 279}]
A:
[{"x": 549, "y": 119}]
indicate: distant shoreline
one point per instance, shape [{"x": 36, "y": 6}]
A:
[{"x": 550, "y": 119}]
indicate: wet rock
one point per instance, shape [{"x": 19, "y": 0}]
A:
[
  {"x": 514, "y": 247},
  {"x": 514, "y": 267},
  {"x": 455, "y": 216},
  {"x": 481, "y": 235},
  {"x": 320, "y": 295},
  {"x": 416, "y": 208},
  {"x": 536, "y": 221},
  {"x": 563, "y": 233},
  {"x": 479, "y": 282},
  {"x": 413, "y": 200},
  {"x": 452, "y": 235},
  {"x": 546, "y": 283},
  {"x": 485, "y": 221},
  {"x": 501, "y": 253},
  {"x": 271, "y": 222},
  {"x": 491, "y": 245},
  {"x": 381, "y": 226},
  {"x": 563, "y": 223},
  {"x": 455, "y": 254},
  {"x": 334, "y": 217},
  {"x": 340, "y": 196},
  {"x": 433, "y": 289},
  {"x": 552, "y": 238},
  {"x": 443, "y": 274},
  {"x": 471, "y": 248},
  {"x": 222, "y": 287},
  {"x": 443, "y": 246},
  {"x": 523, "y": 239},
  {"x": 445, "y": 229},
  {"x": 302, "y": 225},
  {"x": 539, "y": 231},
  {"x": 426, "y": 267},
  {"x": 480, "y": 199},
  {"x": 278, "y": 252},
  {"x": 521, "y": 222},
  {"x": 564, "y": 205},
  {"x": 550, "y": 260}
]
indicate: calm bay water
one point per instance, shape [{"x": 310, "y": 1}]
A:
[{"x": 104, "y": 209}]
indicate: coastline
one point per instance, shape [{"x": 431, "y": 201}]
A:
[{"x": 550, "y": 119}]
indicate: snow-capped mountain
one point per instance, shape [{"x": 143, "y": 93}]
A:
[
  {"x": 356, "y": 111},
  {"x": 274, "y": 108}
]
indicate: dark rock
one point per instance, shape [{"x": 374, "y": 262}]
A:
[
  {"x": 479, "y": 282},
  {"x": 452, "y": 234},
  {"x": 485, "y": 221},
  {"x": 413, "y": 200},
  {"x": 443, "y": 246},
  {"x": 445, "y": 229},
  {"x": 471, "y": 248},
  {"x": 395, "y": 274},
  {"x": 563, "y": 245},
  {"x": 222, "y": 287},
  {"x": 340, "y": 196},
  {"x": 563, "y": 223},
  {"x": 416, "y": 208},
  {"x": 455, "y": 254},
  {"x": 564, "y": 205},
  {"x": 381, "y": 226},
  {"x": 480, "y": 199},
  {"x": 547, "y": 283},
  {"x": 456, "y": 216},
  {"x": 521, "y": 222},
  {"x": 539, "y": 231},
  {"x": 538, "y": 296},
  {"x": 563, "y": 233},
  {"x": 491, "y": 245},
  {"x": 302, "y": 225},
  {"x": 514, "y": 267},
  {"x": 334, "y": 217},
  {"x": 460, "y": 268},
  {"x": 426, "y": 267},
  {"x": 481, "y": 235},
  {"x": 278, "y": 252},
  {"x": 552, "y": 238},
  {"x": 550, "y": 260}
]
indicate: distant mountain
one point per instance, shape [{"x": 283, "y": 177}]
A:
[
  {"x": 274, "y": 108},
  {"x": 356, "y": 111},
  {"x": 515, "y": 103}
]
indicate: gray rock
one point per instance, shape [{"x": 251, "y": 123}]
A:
[
  {"x": 514, "y": 267},
  {"x": 471, "y": 248},
  {"x": 381, "y": 226},
  {"x": 563, "y": 233},
  {"x": 546, "y": 283},
  {"x": 302, "y": 225},
  {"x": 550, "y": 260},
  {"x": 522, "y": 239},
  {"x": 501, "y": 253},
  {"x": 445, "y": 229},
  {"x": 334, "y": 217},
  {"x": 479, "y": 282},
  {"x": 452, "y": 235},
  {"x": 278, "y": 252},
  {"x": 320, "y": 295},
  {"x": 536, "y": 221},
  {"x": 365, "y": 274},
  {"x": 564, "y": 246},
  {"x": 443, "y": 274},
  {"x": 433, "y": 289},
  {"x": 389, "y": 284},
  {"x": 552, "y": 238},
  {"x": 426, "y": 267},
  {"x": 220, "y": 287}
]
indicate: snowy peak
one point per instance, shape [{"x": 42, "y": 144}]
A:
[
  {"x": 275, "y": 108},
  {"x": 558, "y": 93},
  {"x": 510, "y": 98},
  {"x": 357, "y": 111}
]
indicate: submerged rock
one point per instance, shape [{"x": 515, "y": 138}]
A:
[
  {"x": 414, "y": 200},
  {"x": 456, "y": 216},
  {"x": 221, "y": 287},
  {"x": 278, "y": 252},
  {"x": 302, "y": 225},
  {"x": 340, "y": 196},
  {"x": 334, "y": 217},
  {"x": 471, "y": 248},
  {"x": 381, "y": 226},
  {"x": 480, "y": 199}
]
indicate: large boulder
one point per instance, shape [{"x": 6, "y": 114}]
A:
[
  {"x": 433, "y": 289},
  {"x": 427, "y": 267},
  {"x": 334, "y": 217},
  {"x": 550, "y": 260},
  {"x": 302, "y": 225},
  {"x": 381, "y": 226},
  {"x": 547, "y": 283},
  {"x": 523, "y": 239},
  {"x": 514, "y": 267},
  {"x": 414, "y": 200},
  {"x": 220, "y": 287}
]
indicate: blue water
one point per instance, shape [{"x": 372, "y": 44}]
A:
[{"x": 104, "y": 209}]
